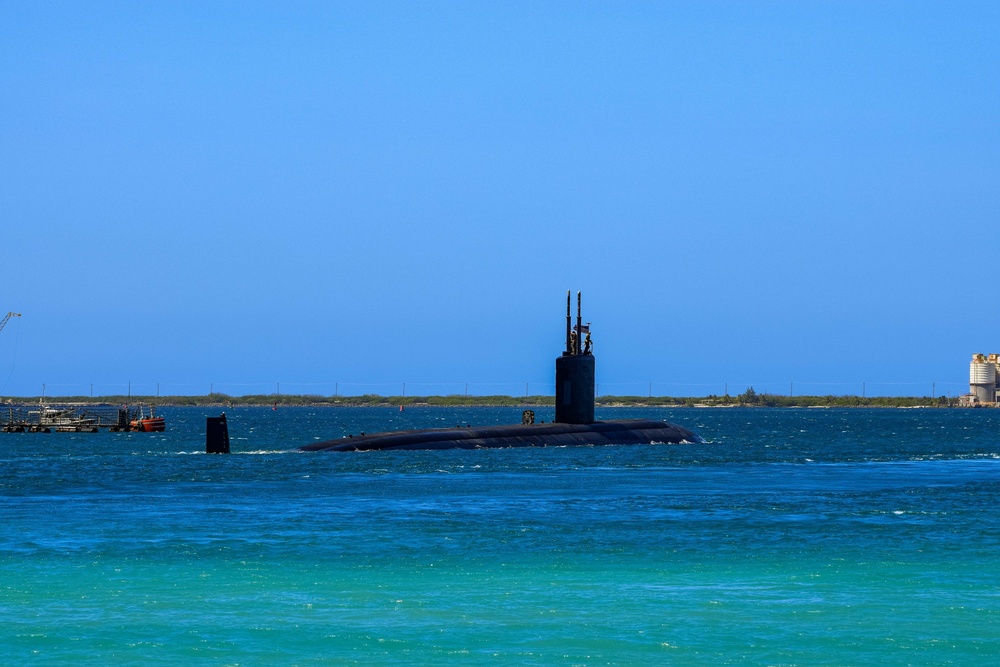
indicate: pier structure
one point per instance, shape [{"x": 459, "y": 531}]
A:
[{"x": 74, "y": 418}]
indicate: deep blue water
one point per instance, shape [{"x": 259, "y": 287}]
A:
[{"x": 791, "y": 537}]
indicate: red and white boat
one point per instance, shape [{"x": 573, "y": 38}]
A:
[{"x": 148, "y": 424}]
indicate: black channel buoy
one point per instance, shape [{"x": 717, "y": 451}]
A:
[{"x": 217, "y": 435}]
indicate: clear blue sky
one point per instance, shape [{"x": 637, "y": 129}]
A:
[{"x": 374, "y": 193}]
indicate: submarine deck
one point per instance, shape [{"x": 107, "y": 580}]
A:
[{"x": 618, "y": 432}]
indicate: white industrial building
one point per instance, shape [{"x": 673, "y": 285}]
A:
[{"x": 984, "y": 379}]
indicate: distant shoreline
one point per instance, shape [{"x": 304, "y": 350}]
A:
[{"x": 374, "y": 400}]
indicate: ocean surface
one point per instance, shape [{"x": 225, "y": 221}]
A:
[{"x": 790, "y": 537}]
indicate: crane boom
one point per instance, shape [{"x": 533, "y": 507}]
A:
[{"x": 9, "y": 315}]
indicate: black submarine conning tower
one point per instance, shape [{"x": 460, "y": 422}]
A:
[{"x": 575, "y": 371}]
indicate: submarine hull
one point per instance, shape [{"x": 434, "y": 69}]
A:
[{"x": 619, "y": 432}]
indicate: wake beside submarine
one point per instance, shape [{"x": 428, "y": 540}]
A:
[{"x": 574, "y": 422}]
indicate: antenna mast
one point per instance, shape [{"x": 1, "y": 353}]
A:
[
  {"x": 579, "y": 322},
  {"x": 569, "y": 319}
]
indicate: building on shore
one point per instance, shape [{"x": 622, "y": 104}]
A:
[{"x": 984, "y": 381}]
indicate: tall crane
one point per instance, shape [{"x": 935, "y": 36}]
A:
[{"x": 9, "y": 315}]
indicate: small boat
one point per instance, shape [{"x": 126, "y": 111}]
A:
[
  {"x": 63, "y": 420},
  {"x": 149, "y": 424}
]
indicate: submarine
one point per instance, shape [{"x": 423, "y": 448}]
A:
[{"x": 574, "y": 422}]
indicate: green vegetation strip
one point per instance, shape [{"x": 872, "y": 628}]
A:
[{"x": 749, "y": 398}]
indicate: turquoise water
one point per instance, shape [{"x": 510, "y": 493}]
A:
[{"x": 792, "y": 537}]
